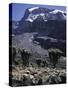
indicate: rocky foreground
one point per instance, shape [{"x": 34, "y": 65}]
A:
[{"x": 37, "y": 76}]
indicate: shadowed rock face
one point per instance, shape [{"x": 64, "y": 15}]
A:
[{"x": 48, "y": 42}]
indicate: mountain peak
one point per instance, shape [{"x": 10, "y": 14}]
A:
[{"x": 46, "y": 14}]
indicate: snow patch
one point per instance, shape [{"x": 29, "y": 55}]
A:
[
  {"x": 31, "y": 9},
  {"x": 56, "y": 11},
  {"x": 29, "y": 19},
  {"x": 42, "y": 14}
]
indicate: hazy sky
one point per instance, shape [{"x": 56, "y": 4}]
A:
[{"x": 19, "y": 9}]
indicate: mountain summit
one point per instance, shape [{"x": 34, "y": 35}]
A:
[{"x": 32, "y": 14}]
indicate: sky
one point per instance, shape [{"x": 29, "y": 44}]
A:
[{"x": 18, "y": 9}]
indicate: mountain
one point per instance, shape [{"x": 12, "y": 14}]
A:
[
  {"x": 49, "y": 24},
  {"x": 37, "y": 16},
  {"x": 47, "y": 15}
]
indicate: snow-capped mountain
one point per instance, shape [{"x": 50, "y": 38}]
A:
[
  {"x": 46, "y": 14},
  {"x": 37, "y": 19},
  {"x": 50, "y": 26},
  {"x": 48, "y": 18}
]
